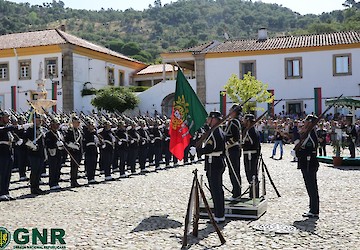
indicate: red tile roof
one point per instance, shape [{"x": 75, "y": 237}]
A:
[
  {"x": 285, "y": 42},
  {"x": 158, "y": 68},
  {"x": 53, "y": 37},
  {"x": 30, "y": 39}
]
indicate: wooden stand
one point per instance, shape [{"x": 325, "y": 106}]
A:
[
  {"x": 194, "y": 205},
  {"x": 246, "y": 208}
]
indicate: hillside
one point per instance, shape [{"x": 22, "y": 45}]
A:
[{"x": 143, "y": 35}]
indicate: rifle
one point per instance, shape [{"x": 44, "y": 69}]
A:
[
  {"x": 260, "y": 117},
  {"x": 219, "y": 123},
  {"x": 313, "y": 124}
]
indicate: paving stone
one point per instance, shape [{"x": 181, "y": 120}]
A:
[{"x": 148, "y": 211}]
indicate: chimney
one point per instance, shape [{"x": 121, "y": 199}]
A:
[
  {"x": 262, "y": 34},
  {"x": 62, "y": 27}
]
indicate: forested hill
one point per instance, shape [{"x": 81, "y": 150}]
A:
[{"x": 143, "y": 35}]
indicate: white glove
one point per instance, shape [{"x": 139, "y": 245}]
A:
[
  {"x": 25, "y": 126},
  {"x": 31, "y": 145},
  {"x": 96, "y": 140},
  {"x": 119, "y": 143},
  {"x": 293, "y": 153},
  {"x": 19, "y": 142},
  {"x": 64, "y": 127},
  {"x": 59, "y": 144},
  {"x": 100, "y": 130},
  {"x": 152, "y": 141},
  {"x": 103, "y": 146},
  {"x": 132, "y": 141},
  {"x": 73, "y": 146},
  {"x": 192, "y": 151}
]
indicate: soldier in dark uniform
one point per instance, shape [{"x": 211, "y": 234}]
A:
[
  {"x": 90, "y": 145},
  {"x": 54, "y": 145},
  {"x": 151, "y": 153},
  {"x": 309, "y": 166},
  {"x": 251, "y": 148},
  {"x": 157, "y": 143},
  {"x": 134, "y": 138},
  {"x": 143, "y": 144},
  {"x": 73, "y": 140},
  {"x": 213, "y": 149},
  {"x": 34, "y": 138},
  {"x": 233, "y": 140},
  {"x": 20, "y": 150},
  {"x": 351, "y": 135},
  {"x": 107, "y": 150},
  {"x": 321, "y": 134},
  {"x": 5, "y": 155},
  {"x": 121, "y": 148},
  {"x": 166, "y": 143}
]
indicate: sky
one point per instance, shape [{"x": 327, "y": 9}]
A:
[{"x": 301, "y": 6}]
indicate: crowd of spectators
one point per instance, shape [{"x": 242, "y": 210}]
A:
[{"x": 285, "y": 129}]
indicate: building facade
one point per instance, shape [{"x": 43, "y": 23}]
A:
[
  {"x": 70, "y": 64},
  {"x": 303, "y": 71}
]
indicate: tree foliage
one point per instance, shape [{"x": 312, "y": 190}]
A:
[
  {"x": 240, "y": 90},
  {"x": 115, "y": 99},
  {"x": 177, "y": 25}
]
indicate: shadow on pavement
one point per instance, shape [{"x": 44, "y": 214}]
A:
[{"x": 155, "y": 223}]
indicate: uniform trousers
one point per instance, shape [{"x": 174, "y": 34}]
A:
[
  {"x": 251, "y": 169},
  {"x": 214, "y": 172},
  {"x": 234, "y": 160},
  {"x": 21, "y": 161},
  {"x": 36, "y": 164},
  {"x": 122, "y": 154},
  {"x": 54, "y": 168},
  {"x": 5, "y": 171},
  {"x": 131, "y": 160},
  {"x": 143, "y": 152},
  {"x": 74, "y": 165},
  {"x": 90, "y": 162},
  {"x": 309, "y": 171},
  {"x": 106, "y": 159}
]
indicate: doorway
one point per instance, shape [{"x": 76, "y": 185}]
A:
[{"x": 294, "y": 108}]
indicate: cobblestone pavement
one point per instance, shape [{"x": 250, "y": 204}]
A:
[{"x": 148, "y": 211}]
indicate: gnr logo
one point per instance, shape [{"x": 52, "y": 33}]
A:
[
  {"x": 5, "y": 237},
  {"x": 22, "y": 236}
]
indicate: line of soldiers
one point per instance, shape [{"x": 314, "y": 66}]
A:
[{"x": 116, "y": 142}]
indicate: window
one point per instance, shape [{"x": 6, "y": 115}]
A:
[
  {"x": 121, "y": 77},
  {"x": 111, "y": 78},
  {"x": 246, "y": 67},
  {"x": 51, "y": 67},
  {"x": 4, "y": 71},
  {"x": 24, "y": 69},
  {"x": 293, "y": 68},
  {"x": 342, "y": 65}
]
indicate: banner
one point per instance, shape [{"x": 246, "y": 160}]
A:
[
  {"x": 318, "y": 101},
  {"x": 188, "y": 115},
  {"x": 54, "y": 94},
  {"x": 13, "y": 98},
  {"x": 223, "y": 102}
]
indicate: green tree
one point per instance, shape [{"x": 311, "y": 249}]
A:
[
  {"x": 352, "y": 4},
  {"x": 115, "y": 99},
  {"x": 240, "y": 90}
]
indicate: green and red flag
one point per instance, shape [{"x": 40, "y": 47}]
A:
[{"x": 188, "y": 115}]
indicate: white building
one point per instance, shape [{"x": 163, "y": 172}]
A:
[
  {"x": 303, "y": 70},
  {"x": 70, "y": 64}
]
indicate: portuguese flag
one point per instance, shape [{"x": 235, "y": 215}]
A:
[{"x": 188, "y": 115}]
